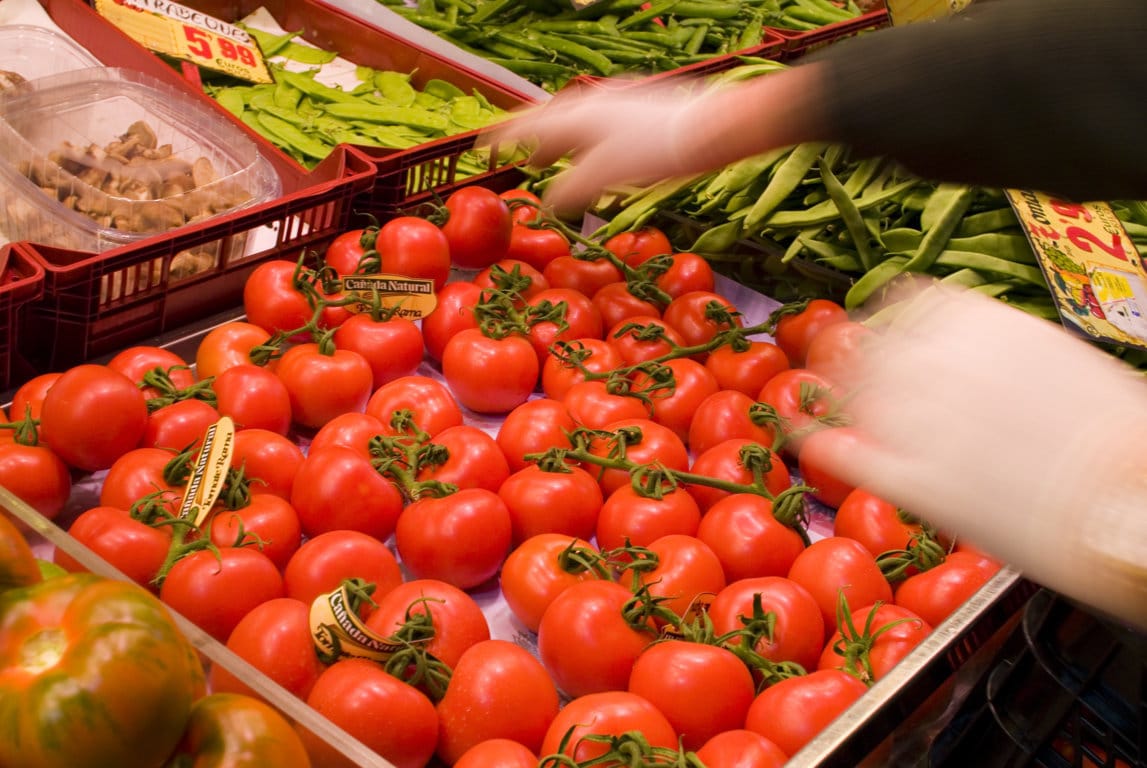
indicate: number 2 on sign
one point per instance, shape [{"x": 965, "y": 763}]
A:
[
  {"x": 199, "y": 44},
  {"x": 1083, "y": 239}
]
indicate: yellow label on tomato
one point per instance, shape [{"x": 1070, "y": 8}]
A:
[
  {"x": 908, "y": 11},
  {"x": 338, "y": 633},
  {"x": 409, "y": 297},
  {"x": 210, "y": 471},
  {"x": 189, "y": 35}
]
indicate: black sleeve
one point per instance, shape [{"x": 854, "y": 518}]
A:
[{"x": 1040, "y": 94}]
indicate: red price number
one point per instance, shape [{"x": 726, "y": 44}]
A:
[{"x": 199, "y": 43}]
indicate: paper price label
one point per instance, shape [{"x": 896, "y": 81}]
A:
[
  {"x": 1093, "y": 270},
  {"x": 210, "y": 471},
  {"x": 410, "y": 297},
  {"x": 190, "y": 35},
  {"x": 908, "y": 11},
  {"x": 338, "y": 633}
]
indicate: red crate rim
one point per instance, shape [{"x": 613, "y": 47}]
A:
[{"x": 28, "y": 283}]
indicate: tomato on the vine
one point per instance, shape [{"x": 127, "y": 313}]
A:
[
  {"x": 37, "y": 475},
  {"x": 936, "y": 593},
  {"x": 646, "y": 442},
  {"x": 461, "y": 538},
  {"x": 877, "y": 524},
  {"x": 430, "y": 402},
  {"x": 836, "y": 565},
  {"x": 497, "y": 753},
  {"x": 793, "y": 711},
  {"x": 676, "y": 406},
  {"x": 639, "y": 245},
  {"x": 610, "y": 713},
  {"x": 275, "y": 638},
  {"x": 139, "y": 473},
  {"x": 580, "y": 319},
  {"x": 541, "y": 568},
  {"x": 477, "y": 227},
  {"x": 325, "y": 561},
  {"x": 795, "y": 630},
  {"x": 687, "y": 272},
  {"x": 700, "y": 315},
  {"x": 805, "y": 401},
  {"x": 812, "y": 463},
  {"x": 873, "y": 640},
  {"x": 748, "y": 370},
  {"x": 473, "y": 460},
  {"x": 350, "y": 430},
  {"x": 736, "y": 460},
  {"x": 140, "y": 359},
  {"x": 687, "y": 570},
  {"x": 179, "y": 425},
  {"x": 228, "y": 345},
  {"x": 729, "y": 413},
  {"x": 617, "y": 303},
  {"x": 345, "y": 253},
  {"x": 835, "y": 350},
  {"x": 392, "y": 347},
  {"x": 543, "y": 501},
  {"x": 512, "y": 275},
  {"x": 748, "y": 539},
  {"x": 28, "y": 399},
  {"x": 133, "y": 547},
  {"x": 269, "y": 519},
  {"x": 90, "y": 393},
  {"x": 559, "y": 371},
  {"x": 796, "y": 330},
  {"x": 593, "y": 403},
  {"x": 580, "y": 273},
  {"x": 533, "y": 427},
  {"x": 217, "y": 589},
  {"x": 537, "y": 246},
  {"x": 457, "y": 618},
  {"x": 739, "y": 748},
  {"x": 641, "y": 339},
  {"x": 322, "y": 385},
  {"x": 453, "y": 313},
  {"x": 627, "y": 515},
  {"x": 270, "y": 461},
  {"x": 254, "y": 397},
  {"x": 490, "y": 375},
  {"x": 273, "y": 298},
  {"x": 414, "y": 247},
  {"x": 320, "y": 494}
]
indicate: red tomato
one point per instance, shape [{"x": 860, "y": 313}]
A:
[
  {"x": 559, "y": 373},
  {"x": 490, "y": 375},
  {"x": 692, "y": 316},
  {"x": 135, "y": 548},
  {"x": 428, "y": 400},
  {"x": 586, "y": 276},
  {"x": 535, "y": 426},
  {"x": 829, "y": 488},
  {"x": 746, "y": 537},
  {"x": 639, "y": 246},
  {"x": 392, "y": 348},
  {"x": 701, "y": 689},
  {"x": 414, "y": 247},
  {"x": 611, "y": 713},
  {"x": 28, "y": 399},
  {"x": 581, "y": 319},
  {"x": 461, "y": 538},
  {"x": 497, "y": 753},
  {"x": 585, "y": 642},
  {"x": 269, "y": 517},
  {"x": 739, "y": 748},
  {"x": 86, "y": 396},
  {"x": 269, "y": 461},
  {"x": 322, "y": 563},
  {"x": 322, "y": 386},
  {"x": 834, "y": 565},
  {"x": 641, "y": 339},
  {"x": 796, "y": 330},
  {"x": 339, "y": 489},
  {"x": 227, "y": 345},
  {"x": 617, "y": 303},
  {"x": 179, "y": 425},
  {"x": 726, "y": 461},
  {"x": 541, "y": 501},
  {"x": 39, "y": 477},
  {"x": 453, "y": 313},
  {"x": 749, "y": 370},
  {"x": 878, "y": 525},
  {"x": 687, "y": 570},
  {"x": 537, "y": 247},
  {"x": 727, "y": 414},
  {"x": 687, "y": 272},
  {"x": 217, "y": 589},
  {"x": 478, "y": 227},
  {"x": 804, "y": 400},
  {"x": 512, "y": 275},
  {"x": 350, "y": 430},
  {"x": 592, "y": 404},
  {"x": 457, "y": 619},
  {"x": 936, "y": 593},
  {"x": 525, "y": 206},
  {"x": 357, "y": 695},
  {"x": 474, "y": 460},
  {"x": 273, "y": 300},
  {"x": 873, "y": 641},
  {"x": 675, "y": 407},
  {"x": 344, "y": 254},
  {"x": 498, "y": 690},
  {"x": 795, "y": 631},
  {"x": 646, "y": 442},
  {"x": 138, "y": 473},
  {"x": 538, "y": 570},
  {"x": 276, "y": 639},
  {"x": 141, "y": 359},
  {"x": 629, "y": 516},
  {"x": 835, "y": 350},
  {"x": 793, "y": 711},
  {"x": 254, "y": 397}
]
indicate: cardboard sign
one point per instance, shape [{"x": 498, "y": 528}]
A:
[
  {"x": 1092, "y": 268},
  {"x": 908, "y": 11},
  {"x": 189, "y": 35},
  {"x": 413, "y": 297}
]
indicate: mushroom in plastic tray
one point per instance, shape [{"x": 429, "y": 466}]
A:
[{"x": 100, "y": 158}]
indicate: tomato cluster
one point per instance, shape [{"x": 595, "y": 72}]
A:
[{"x": 635, "y": 503}]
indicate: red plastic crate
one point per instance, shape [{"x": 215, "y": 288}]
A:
[
  {"x": 22, "y": 282},
  {"x": 797, "y": 44},
  {"x": 97, "y": 303}
]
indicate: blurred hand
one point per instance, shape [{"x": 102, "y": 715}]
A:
[
  {"x": 1011, "y": 432},
  {"x": 619, "y": 134}
]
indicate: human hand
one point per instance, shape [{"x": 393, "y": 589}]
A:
[{"x": 1009, "y": 431}]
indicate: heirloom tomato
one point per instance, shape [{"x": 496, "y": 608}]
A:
[
  {"x": 83, "y": 397},
  {"x": 93, "y": 672},
  {"x": 497, "y": 690},
  {"x": 541, "y": 568},
  {"x": 17, "y": 561},
  {"x": 477, "y": 227},
  {"x": 230, "y": 730},
  {"x": 790, "y": 713}
]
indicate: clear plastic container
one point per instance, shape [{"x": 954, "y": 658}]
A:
[
  {"x": 99, "y": 158},
  {"x": 33, "y": 52}
]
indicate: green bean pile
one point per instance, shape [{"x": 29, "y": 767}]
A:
[
  {"x": 549, "y": 42},
  {"x": 307, "y": 119}
]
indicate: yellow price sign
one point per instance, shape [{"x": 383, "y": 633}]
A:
[
  {"x": 189, "y": 35},
  {"x": 908, "y": 11},
  {"x": 409, "y": 297}
]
